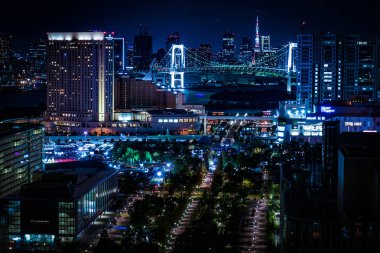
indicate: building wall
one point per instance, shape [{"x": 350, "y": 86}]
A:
[
  {"x": 138, "y": 94},
  {"x": 334, "y": 66},
  {"x": 358, "y": 186},
  {"x": 20, "y": 156},
  {"x": 312, "y": 235},
  {"x": 79, "y": 78},
  {"x": 65, "y": 218}
]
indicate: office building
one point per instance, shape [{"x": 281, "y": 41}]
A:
[
  {"x": 266, "y": 58},
  {"x": 334, "y": 66},
  {"x": 119, "y": 55},
  {"x": 20, "y": 155},
  {"x": 56, "y": 209},
  {"x": 192, "y": 59},
  {"x": 228, "y": 48},
  {"x": 5, "y": 59},
  {"x": 265, "y": 43},
  {"x": 205, "y": 53},
  {"x": 37, "y": 57},
  {"x": 130, "y": 54},
  {"x": 80, "y": 79},
  {"x": 143, "y": 47},
  {"x": 246, "y": 51},
  {"x": 133, "y": 94}
]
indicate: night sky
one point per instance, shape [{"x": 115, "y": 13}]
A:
[{"x": 197, "y": 20}]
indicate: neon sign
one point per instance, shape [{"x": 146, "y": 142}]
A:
[{"x": 327, "y": 109}]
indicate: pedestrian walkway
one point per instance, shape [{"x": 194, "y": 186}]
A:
[
  {"x": 181, "y": 226},
  {"x": 253, "y": 229}
]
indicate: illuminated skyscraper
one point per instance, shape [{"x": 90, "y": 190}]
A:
[
  {"x": 246, "y": 53},
  {"x": 80, "y": 78},
  {"x": 205, "y": 53},
  {"x": 334, "y": 66},
  {"x": 265, "y": 43},
  {"x": 228, "y": 49}
]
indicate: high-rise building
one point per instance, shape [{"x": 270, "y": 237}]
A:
[
  {"x": 173, "y": 38},
  {"x": 20, "y": 155},
  {"x": 265, "y": 43},
  {"x": 336, "y": 67},
  {"x": 130, "y": 54},
  {"x": 361, "y": 62},
  {"x": 205, "y": 53},
  {"x": 246, "y": 51},
  {"x": 228, "y": 48},
  {"x": 142, "y": 56},
  {"x": 5, "y": 59},
  {"x": 119, "y": 55},
  {"x": 192, "y": 57},
  {"x": 37, "y": 57},
  {"x": 80, "y": 79}
]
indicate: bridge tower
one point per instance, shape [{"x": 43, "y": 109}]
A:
[
  {"x": 291, "y": 65},
  {"x": 177, "y": 64}
]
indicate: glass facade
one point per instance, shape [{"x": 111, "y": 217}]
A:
[
  {"x": 66, "y": 218},
  {"x": 72, "y": 217},
  {"x": 91, "y": 204},
  {"x": 20, "y": 156}
]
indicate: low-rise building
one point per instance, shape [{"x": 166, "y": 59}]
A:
[{"x": 58, "y": 207}]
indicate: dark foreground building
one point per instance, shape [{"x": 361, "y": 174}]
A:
[
  {"x": 57, "y": 208},
  {"x": 342, "y": 218}
]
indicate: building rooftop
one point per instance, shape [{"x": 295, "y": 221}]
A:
[
  {"x": 66, "y": 183},
  {"x": 7, "y": 129},
  {"x": 172, "y": 112},
  {"x": 68, "y": 36}
]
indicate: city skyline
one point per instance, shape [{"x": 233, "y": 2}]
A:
[{"x": 164, "y": 17}]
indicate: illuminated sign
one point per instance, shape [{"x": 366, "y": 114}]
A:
[{"x": 327, "y": 109}]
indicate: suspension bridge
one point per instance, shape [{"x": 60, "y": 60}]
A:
[{"x": 171, "y": 69}]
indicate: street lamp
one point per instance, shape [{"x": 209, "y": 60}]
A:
[{"x": 85, "y": 135}]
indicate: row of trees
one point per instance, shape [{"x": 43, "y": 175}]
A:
[{"x": 216, "y": 223}]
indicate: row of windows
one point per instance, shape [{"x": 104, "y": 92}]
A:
[{"x": 176, "y": 120}]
